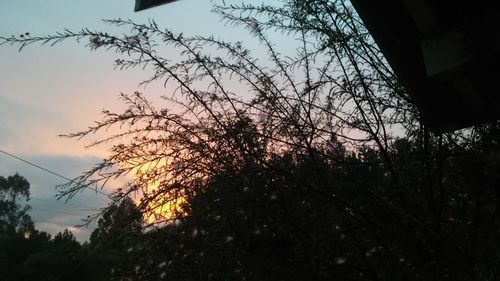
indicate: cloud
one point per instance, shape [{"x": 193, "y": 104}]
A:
[{"x": 26, "y": 126}]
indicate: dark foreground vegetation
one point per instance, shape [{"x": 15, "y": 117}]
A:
[
  {"x": 29, "y": 254},
  {"x": 307, "y": 218},
  {"x": 305, "y": 166}
]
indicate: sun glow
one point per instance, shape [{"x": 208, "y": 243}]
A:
[
  {"x": 165, "y": 209},
  {"x": 160, "y": 206}
]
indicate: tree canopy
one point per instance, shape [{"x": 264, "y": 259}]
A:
[
  {"x": 14, "y": 218},
  {"x": 29, "y": 254}
]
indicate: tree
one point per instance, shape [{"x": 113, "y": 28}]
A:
[
  {"x": 18, "y": 238},
  {"x": 14, "y": 217},
  {"x": 66, "y": 241},
  {"x": 57, "y": 260},
  {"x": 118, "y": 228},
  {"x": 118, "y": 233}
]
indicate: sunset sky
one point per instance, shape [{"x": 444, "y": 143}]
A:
[{"x": 46, "y": 91}]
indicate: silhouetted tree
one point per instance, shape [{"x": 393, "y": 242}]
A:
[
  {"x": 117, "y": 235},
  {"x": 59, "y": 260},
  {"x": 14, "y": 218},
  {"x": 16, "y": 225},
  {"x": 118, "y": 228}
]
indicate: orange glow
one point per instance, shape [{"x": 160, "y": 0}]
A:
[{"x": 166, "y": 207}]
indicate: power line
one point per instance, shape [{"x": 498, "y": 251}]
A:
[{"x": 49, "y": 171}]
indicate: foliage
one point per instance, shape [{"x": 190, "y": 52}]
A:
[
  {"x": 14, "y": 217},
  {"x": 29, "y": 254},
  {"x": 315, "y": 219},
  {"x": 34, "y": 255},
  {"x": 118, "y": 233},
  {"x": 118, "y": 227}
]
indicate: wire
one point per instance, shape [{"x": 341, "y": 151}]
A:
[{"x": 50, "y": 172}]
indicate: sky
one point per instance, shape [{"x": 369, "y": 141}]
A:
[{"x": 46, "y": 91}]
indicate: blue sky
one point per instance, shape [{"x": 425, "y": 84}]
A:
[{"x": 46, "y": 91}]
